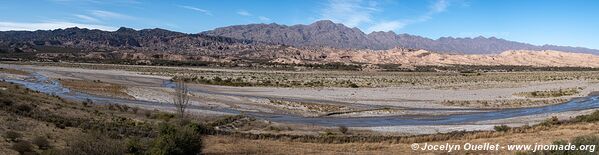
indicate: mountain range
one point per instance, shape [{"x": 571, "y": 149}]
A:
[
  {"x": 318, "y": 43},
  {"x": 325, "y": 33}
]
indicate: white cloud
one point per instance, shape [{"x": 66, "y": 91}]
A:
[
  {"x": 386, "y": 26},
  {"x": 262, "y": 18},
  {"x": 244, "y": 13},
  {"x": 196, "y": 9},
  {"x": 109, "y": 15},
  {"x": 349, "y": 12},
  {"x": 87, "y": 18},
  {"x": 438, "y": 6},
  {"x": 7, "y": 26}
]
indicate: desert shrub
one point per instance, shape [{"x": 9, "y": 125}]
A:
[
  {"x": 22, "y": 147},
  {"x": 163, "y": 116},
  {"x": 273, "y": 128},
  {"x": 551, "y": 121},
  {"x": 343, "y": 129},
  {"x": 225, "y": 120},
  {"x": 12, "y": 136},
  {"x": 182, "y": 121},
  {"x": 201, "y": 128},
  {"x": 148, "y": 114},
  {"x": 94, "y": 144},
  {"x": 135, "y": 146},
  {"x": 6, "y": 102},
  {"x": 60, "y": 126},
  {"x": 502, "y": 128},
  {"x": 175, "y": 140},
  {"x": 593, "y": 117},
  {"x": 550, "y": 93},
  {"x": 23, "y": 108},
  {"x": 52, "y": 152},
  {"x": 87, "y": 102},
  {"x": 41, "y": 142},
  {"x": 327, "y": 133},
  {"x": 577, "y": 141}
]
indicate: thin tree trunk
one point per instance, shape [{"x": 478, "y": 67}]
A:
[{"x": 181, "y": 98}]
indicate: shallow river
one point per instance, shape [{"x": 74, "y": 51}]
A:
[{"x": 44, "y": 84}]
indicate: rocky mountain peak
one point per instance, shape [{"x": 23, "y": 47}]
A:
[{"x": 325, "y": 33}]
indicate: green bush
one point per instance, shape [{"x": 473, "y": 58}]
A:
[
  {"x": 343, "y": 129},
  {"x": 502, "y": 128},
  {"x": 593, "y": 117},
  {"x": 177, "y": 141}
]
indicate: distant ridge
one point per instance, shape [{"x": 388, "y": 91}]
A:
[
  {"x": 325, "y": 33},
  {"x": 149, "y": 46}
]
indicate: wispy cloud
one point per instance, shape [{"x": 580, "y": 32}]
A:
[
  {"x": 349, "y": 12},
  {"x": 437, "y": 7},
  {"x": 252, "y": 16},
  {"x": 87, "y": 18},
  {"x": 7, "y": 26},
  {"x": 244, "y": 13},
  {"x": 386, "y": 26},
  {"x": 196, "y": 9},
  {"x": 109, "y": 15},
  {"x": 262, "y": 18},
  {"x": 100, "y": 16}
]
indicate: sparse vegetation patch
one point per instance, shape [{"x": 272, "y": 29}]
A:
[{"x": 550, "y": 93}]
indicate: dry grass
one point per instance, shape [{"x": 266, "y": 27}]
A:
[
  {"x": 230, "y": 145},
  {"x": 31, "y": 128},
  {"x": 540, "y": 135},
  {"x": 96, "y": 88},
  {"x": 61, "y": 121},
  {"x": 14, "y": 71}
]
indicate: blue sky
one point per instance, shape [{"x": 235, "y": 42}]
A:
[{"x": 558, "y": 22}]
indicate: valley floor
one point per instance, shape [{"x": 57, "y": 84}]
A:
[
  {"x": 146, "y": 95},
  {"x": 438, "y": 95}
]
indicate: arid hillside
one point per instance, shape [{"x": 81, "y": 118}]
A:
[
  {"x": 422, "y": 57},
  {"x": 326, "y": 33},
  {"x": 150, "y": 45}
]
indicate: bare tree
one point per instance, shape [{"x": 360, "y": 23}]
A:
[{"x": 181, "y": 97}]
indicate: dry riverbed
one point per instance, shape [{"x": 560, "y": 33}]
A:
[{"x": 395, "y": 100}]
